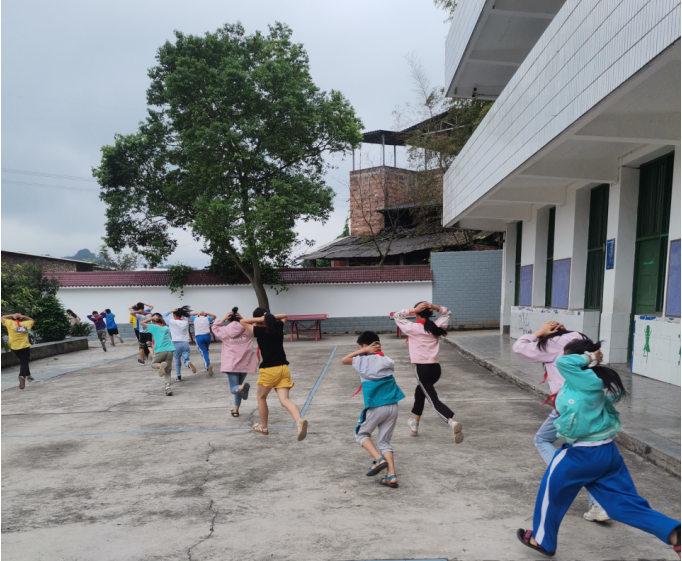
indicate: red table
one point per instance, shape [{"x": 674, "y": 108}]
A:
[
  {"x": 312, "y": 322},
  {"x": 400, "y": 334}
]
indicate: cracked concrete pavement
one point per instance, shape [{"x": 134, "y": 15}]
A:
[{"x": 214, "y": 490}]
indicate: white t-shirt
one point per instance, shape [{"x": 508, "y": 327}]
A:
[
  {"x": 202, "y": 325},
  {"x": 179, "y": 328}
]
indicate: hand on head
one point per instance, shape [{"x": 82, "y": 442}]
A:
[
  {"x": 16, "y": 316},
  {"x": 549, "y": 328},
  {"x": 422, "y": 307},
  {"x": 374, "y": 347}
]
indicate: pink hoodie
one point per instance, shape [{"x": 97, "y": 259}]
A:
[
  {"x": 237, "y": 353},
  {"x": 423, "y": 346},
  {"x": 526, "y": 347}
]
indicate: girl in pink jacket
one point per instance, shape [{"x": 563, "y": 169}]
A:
[
  {"x": 237, "y": 358},
  {"x": 545, "y": 346},
  {"x": 423, "y": 341}
]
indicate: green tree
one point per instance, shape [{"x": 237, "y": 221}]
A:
[
  {"x": 232, "y": 149},
  {"x": 52, "y": 324},
  {"x": 118, "y": 261},
  {"x": 22, "y": 286}
]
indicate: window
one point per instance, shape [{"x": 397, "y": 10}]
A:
[
  {"x": 596, "y": 247},
  {"x": 651, "y": 248},
  {"x": 517, "y": 283},
  {"x": 550, "y": 257}
]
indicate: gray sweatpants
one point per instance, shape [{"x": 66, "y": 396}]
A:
[{"x": 384, "y": 418}]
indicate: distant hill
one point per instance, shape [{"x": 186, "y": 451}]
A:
[{"x": 82, "y": 255}]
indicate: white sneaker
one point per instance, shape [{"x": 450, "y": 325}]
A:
[
  {"x": 596, "y": 514},
  {"x": 456, "y": 428},
  {"x": 414, "y": 427},
  {"x": 210, "y": 370}
]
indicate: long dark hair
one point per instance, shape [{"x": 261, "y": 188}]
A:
[
  {"x": 542, "y": 341},
  {"x": 70, "y": 312},
  {"x": 183, "y": 312},
  {"x": 429, "y": 326},
  {"x": 268, "y": 318},
  {"x": 233, "y": 316},
  {"x": 612, "y": 381}
]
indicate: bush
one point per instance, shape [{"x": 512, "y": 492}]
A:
[
  {"x": 82, "y": 329},
  {"x": 52, "y": 323}
]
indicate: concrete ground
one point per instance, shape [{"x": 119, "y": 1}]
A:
[{"x": 102, "y": 480}]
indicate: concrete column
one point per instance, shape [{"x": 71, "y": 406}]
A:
[
  {"x": 674, "y": 228},
  {"x": 508, "y": 277},
  {"x": 617, "y": 297},
  {"x": 541, "y": 218},
  {"x": 581, "y": 220}
]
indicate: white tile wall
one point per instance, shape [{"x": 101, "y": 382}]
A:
[
  {"x": 461, "y": 29},
  {"x": 590, "y": 48},
  {"x": 662, "y": 362},
  {"x": 526, "y": 320}
]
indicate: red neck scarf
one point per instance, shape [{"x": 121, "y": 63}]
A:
[{"x": 422, "y": 321}]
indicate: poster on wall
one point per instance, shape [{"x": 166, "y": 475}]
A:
[
  {"x": 526, "y": 288},
  {"x": 561, "y": 280},
  {"x": 610, "y": 252},
  {"x": 672, "y": 305}
]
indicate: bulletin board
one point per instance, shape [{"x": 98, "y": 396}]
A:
[
  {"x": 672, "y": 304},
  {"x": 526, "y": 288},
  {"x": 561, "y": 282}
]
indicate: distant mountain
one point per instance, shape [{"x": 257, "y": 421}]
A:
[{"x": 82, "y": 255}]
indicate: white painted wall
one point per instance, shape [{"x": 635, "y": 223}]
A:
[
  {"x": 336, "y": 300},
  {"x": 527, "y": 320},
  {"x": 661, "y": 359},
  {"x": 617, "y": 296},
  {"x": 508, "y": 276}
]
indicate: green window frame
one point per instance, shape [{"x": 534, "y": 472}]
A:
[
  {"x": 596, "y": 247},
  {"x": 517, "y": 280},
  {"x": 550, "y": 257},
  {"x": 651, "y": 245}
]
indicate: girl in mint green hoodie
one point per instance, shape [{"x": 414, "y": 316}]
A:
[{"x": 588, "y": 422}]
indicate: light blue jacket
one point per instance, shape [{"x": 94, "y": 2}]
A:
[{"x": 586, "y": 413}]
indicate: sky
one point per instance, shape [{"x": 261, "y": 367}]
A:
[{"x": 74, "y": 73}]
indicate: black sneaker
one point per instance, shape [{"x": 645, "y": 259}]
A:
[
  {"x": 178, "y": 379},
  {"x": 245, "y": 391}
]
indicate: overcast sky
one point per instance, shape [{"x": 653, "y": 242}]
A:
[{"x": 75, "y": 73}]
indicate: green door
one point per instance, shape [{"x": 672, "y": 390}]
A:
[
  {"x": 653, "y": 221},
  {"x": 596, "y": 247}
]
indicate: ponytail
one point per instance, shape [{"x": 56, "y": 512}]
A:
[
  {"x": 183, "y": 312},
  {"x": 268, "y": 319},
  {"x": 611, "y": 379},
  {"x": 233, "y": 316},
  {"x": 429, "y": 325}
]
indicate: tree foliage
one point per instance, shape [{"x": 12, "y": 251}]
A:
[
  {"x": 119, "y": 261},
  {"x": 23, "y": 286},
  {"x": 178, "y": 276},
  {"x": 232, "y": 149},
  {"x": 448, "y": 5},
  {"x": 52, "y": 323}
]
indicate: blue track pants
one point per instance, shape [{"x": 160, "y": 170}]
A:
[
  {"x": 601, "y": 469},
  {"x": 203, "y": 342}
]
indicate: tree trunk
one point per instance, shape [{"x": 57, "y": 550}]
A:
[{"x": 258, "y": 286}]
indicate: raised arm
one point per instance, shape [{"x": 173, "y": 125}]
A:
[
  {"x": 146, "y": 321},
  {"x": 149, "y": 306},
  {"x": 18, "y": 317},
  {"x": 281, "y": 317},
  {"x": 573, "y": 369},
  {"x": 445, "y": 314},
  {"x": 526, "y": 346},
  {"x": 247, "y": 323},
  {"x": 371, "y": 349},
  {"x": 207, "y": 314}
]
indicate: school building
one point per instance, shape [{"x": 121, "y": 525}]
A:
[{"x": 578, "y": 163}]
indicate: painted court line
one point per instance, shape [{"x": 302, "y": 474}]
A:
[{"x": 161, "y": 431}]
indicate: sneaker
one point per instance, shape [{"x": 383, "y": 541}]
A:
[
  {"x": 120, "y": 340},
  {"x": 22, "y": 383},
  {"x": 414, "y": 427},
  {"x": 113, "y": 344},
  {"x": 169, "y": 391},
  {"x": 192, "y": 367},
  {"x": 30, "y": 379},
  {"x": 178, "y": 379},
  {"x": 456, "y": 428},
  {"x": 140, "y": 361},
  {"x": 302, "y": 429},
  {"x": 104, "y": 347},
  {"x": 245, "y": 391},
  {"x": 162, "y": 369},
  {"x": 596, "y": 514},
  {"x": 210, "y": 370}
]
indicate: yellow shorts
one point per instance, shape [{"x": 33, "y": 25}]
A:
[{"x": 275, "y": 377}]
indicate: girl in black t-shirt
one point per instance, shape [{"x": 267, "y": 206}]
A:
[{"x": 274, "y": 372}]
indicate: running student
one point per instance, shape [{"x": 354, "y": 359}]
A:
[
  {"x": 100, "y": 327},
  {"x": 112, "y": 328},
  {"x": 179, "y": 328},
  {"x": 142, "y": 311},
  {"x": 73, "y": 318},
  {"x": 381, "y": 395},
  {"x": 545, "y": 346},
  {"x": 587, "y": 422},
  {"x": 424, "y": 343},
  {"x": 163, "y": 348},
  {"x": 18, "y": 326},
  {"x": 202, "y": 337},
  {"x": 274, "y": 370},
  {"x": 237, "y": 358}
]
